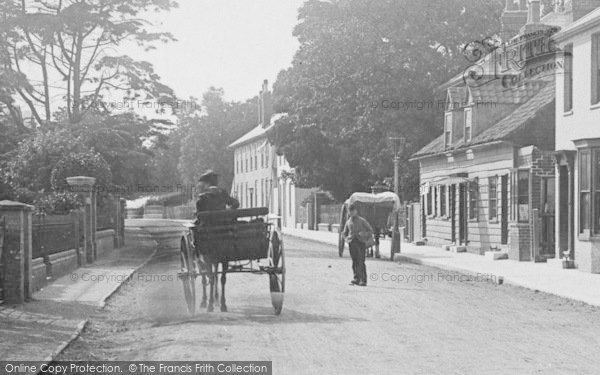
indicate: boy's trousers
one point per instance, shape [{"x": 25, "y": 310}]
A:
[{"x": 357, "y": 252}]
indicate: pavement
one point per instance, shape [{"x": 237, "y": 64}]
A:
[
  {"x": 544, "y": 277},
  {"x": 42, "y": 328},
  {"x": 410, "y": 319}
]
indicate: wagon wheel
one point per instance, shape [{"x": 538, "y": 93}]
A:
[
  {"x": 187, "y": 275},
  {"x": 277, "y": 271}
]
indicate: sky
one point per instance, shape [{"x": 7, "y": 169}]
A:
[{"x": 232, "y": 44}]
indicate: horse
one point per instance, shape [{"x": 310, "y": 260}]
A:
[{"x": 213, "y": 273}]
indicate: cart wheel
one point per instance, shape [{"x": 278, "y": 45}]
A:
[
  {"x": 341, "y": 243},
  {"x": 187, "y": 276},
  {"x": 277, "y": 274}
]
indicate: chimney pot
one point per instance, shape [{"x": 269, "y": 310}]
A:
[{"x": 533, "y": 16}]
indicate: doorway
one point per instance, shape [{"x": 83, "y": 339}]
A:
[
  {"x": 504, "y": 213},
  {"x": 462, "y": 214},
  {"x": 453, "y": 212}
]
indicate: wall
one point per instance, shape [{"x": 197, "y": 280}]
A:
[
  {"x": 257, "y": 177},
  {"x": 494, "y": 160},
  {"x": 105, "y": 241}
]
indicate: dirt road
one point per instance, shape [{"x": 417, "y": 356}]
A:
[{"x": 409, "y": 320}]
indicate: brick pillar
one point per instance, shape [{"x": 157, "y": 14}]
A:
[
  {"x": 17, "y": 247},
  {"x": 520, "y": 241},
  {"x": 85, "y": 186}
]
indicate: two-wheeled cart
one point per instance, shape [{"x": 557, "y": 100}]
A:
[{"x": 244, "y": 239}]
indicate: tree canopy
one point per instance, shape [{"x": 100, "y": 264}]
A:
[
  {"x": 74, "y": 42},
  {"x": 356, "y": 58},
  {"x": 208, "y": 130}
]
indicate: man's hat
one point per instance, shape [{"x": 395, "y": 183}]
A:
[{"x": 208, "y": 176}]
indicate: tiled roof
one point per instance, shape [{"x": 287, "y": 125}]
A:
[
  {"x": 257, "y": 132},
  {"x": 494, "y": 92},
  {"x": 503, "y": 129},
  {"x": 457, "y": 94}
]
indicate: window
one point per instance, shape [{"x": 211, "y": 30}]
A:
[
  {"x": 474, "y": 199},
  {"x": 568, "y": 78},
  {"x": 521, "y": 198},
  {"x": 289, "y": 198},
  {"x": 429, "y": 201},
  {"x": 246, "y": 165},
  {"x": 468, "y": 124},
  {"x": 443, "y": 197},
  {"x": 595, "y": 68},
  {"x": 435, "y": 201},
  {"x": 268, "y": 162},
  {"x": 585, "y": 199},
  {"x": 256, "y": 160},
  {"x": 493, "y": 197},
  {"x": 262, "y": 158},
  {"x": 448, "y": 130}
]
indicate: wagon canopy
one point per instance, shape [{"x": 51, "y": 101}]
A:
[
  {"x": 386, "y": 199},
  {"x": 377, "y": 209}
]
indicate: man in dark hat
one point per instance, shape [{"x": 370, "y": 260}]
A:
[{"x": 212, "y": 197}]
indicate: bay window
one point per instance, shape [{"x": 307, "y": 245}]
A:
[
  {"x": 468, "y": 124},
  {"x": 448, "y": 130},
  {"x": 589, "y": 191}
]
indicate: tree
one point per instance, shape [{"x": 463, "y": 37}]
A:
[
  {"x": 209, "y": 132},
  {"x": 74, "y": 41},
  {"x": 357, "y": 57}
]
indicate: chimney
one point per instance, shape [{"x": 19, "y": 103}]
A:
[
  {"x": 260, "y": 107},
  {"x": 513, "y": 18},
  {"x": 266, "y": 105},
  {"x": 533, "y": 15}
]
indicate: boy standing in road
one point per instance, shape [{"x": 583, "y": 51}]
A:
[{"x": 357, "y": 232}]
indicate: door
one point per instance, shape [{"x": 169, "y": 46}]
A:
[
  {"x": 453, "y": 212},
  {"x": 504, "y": 212},
  {"x": 564, "y": 208},
  {"x": 462, "y": 214},
  {"x": 547, "y": 217}
]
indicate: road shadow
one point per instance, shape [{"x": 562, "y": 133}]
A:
[{"x": 242, "y": 315}]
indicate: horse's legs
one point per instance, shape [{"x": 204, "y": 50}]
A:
[
  {"x": 204, "y": 282},
  {"x": 224, "y": 266},
  {"x": 216, "y": 281},
  {"x": 211, "y": 298}
]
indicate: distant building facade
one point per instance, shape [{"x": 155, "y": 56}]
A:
[{"x": 261, "y": 177}]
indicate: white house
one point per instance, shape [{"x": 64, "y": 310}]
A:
[
  {"x": 260, "y": 178},
  {"x": 578, "y": 143}
]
